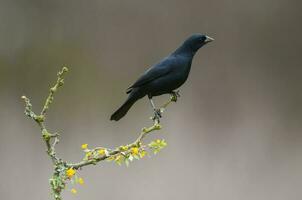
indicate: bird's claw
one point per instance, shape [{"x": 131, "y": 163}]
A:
[
  {"x": 157, "y": 115},
  {"x": 175, "y": 95}
]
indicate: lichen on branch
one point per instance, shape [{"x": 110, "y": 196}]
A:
[{"x": 65, "y": 171}]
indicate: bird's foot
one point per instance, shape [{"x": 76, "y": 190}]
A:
[
  {"x": 157, "y": 115},
  {"x": 174, "y": 95}
]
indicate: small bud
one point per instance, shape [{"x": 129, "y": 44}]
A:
[
  {"x": 142, "y": 154},
  {"x": 73, "y": 191},
  {"x": 157, "y": 126},
  {"x": 81, "y": 181},
  {"x": 84, "y": 146},
  {"x": 88, "y": 155},
  {"x": 123, "y": 148},
  {"x": 65, "y": 69}
]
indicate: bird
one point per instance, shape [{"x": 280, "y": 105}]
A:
[{"x": 165, "y": 76}]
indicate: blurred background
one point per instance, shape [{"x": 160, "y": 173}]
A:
[{"x": 234, "y": 134}]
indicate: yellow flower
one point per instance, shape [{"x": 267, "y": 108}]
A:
[
  {"x": 70, "y": 172},
  {"x": 102, "y": 152},
  {"x": 135, "y": 150},
  {"x": 73, "y": 191},
  {"x": 158, "y": 141},
  {"x": 84, "y": 146},
  {"x": 81, "y": 181}
]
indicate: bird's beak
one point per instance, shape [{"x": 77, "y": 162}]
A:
[{"x": 209, "y": 39}]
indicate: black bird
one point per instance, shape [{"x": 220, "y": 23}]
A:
[{"x": 165, "y": 76}]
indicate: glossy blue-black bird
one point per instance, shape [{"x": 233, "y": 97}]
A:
[{"x": 165, "y": 76}]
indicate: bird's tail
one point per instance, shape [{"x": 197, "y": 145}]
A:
[{"x": 122, "y": 111}]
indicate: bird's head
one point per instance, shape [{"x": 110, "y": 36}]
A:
[{"x": 196, "y": 41}]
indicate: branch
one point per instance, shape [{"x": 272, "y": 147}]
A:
[
  {"x": 65, "y": 171},
  {"x": 39, "y": 119},
  {"x": 92, "y": 157},
  {"x": 123, "y": 150}
]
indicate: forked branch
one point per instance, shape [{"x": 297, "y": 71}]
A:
[{"x": 65, "y": 171}]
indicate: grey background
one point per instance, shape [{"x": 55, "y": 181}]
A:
[{"x": 234, "y": 134}]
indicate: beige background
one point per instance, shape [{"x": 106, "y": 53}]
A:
[{"x": 235, "y": 133}]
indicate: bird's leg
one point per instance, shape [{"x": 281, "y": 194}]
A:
[
  {"x": 157, "y": 112},
  {"x": 174, "y": 95}
]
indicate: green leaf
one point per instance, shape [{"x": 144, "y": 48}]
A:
[
  {"x": 127, "y": 162},
  {"x": 131, "y": 158}
]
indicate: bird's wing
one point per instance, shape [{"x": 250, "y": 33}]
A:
[{"x": 161, "y": 69}]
